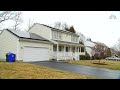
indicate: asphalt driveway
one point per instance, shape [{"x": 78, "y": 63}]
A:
[{"x": 81, "y": 69}]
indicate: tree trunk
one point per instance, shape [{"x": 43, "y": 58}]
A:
[{"x": 99, "y": 60}]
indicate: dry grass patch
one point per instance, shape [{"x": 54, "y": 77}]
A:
[
  {"x": 115, "y": 65},
  {"x": 19, "y": 70}
]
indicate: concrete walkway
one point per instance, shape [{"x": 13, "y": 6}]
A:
[{"x": 81, "y": 69}]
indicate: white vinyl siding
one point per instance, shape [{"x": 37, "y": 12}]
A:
[
  {"x": 42, "y": 31},
  {"x": 8, "y": 43}
]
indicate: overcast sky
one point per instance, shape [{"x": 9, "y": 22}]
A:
[{"x": 93, "y": 24}]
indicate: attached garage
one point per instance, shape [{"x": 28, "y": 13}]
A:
[
  {"x": 36, "y": 54},
  {"x": 34, "y": 50},
  {"x": 27, "y": 46}
]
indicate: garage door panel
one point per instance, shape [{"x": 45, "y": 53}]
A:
[{"x": 36, "y": 54}]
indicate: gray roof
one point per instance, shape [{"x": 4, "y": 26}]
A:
[{"x": 26, "y": 35}]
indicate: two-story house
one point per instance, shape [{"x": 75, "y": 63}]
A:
[{"x": 41, "y": 43}]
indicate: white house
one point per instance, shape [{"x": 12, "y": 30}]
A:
[
  {"x": 0, "y": 31},
  {"x": 89, "y": 47},
  {"x": 40, "y": 43}
]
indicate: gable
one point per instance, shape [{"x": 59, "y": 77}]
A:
[{"x": 41, "y": 30}]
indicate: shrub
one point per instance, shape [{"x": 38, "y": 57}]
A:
[
  {"x": 85, "y": 57},
  {"x": 82, "y": 57},
  {"x": 93, "y": 58}
]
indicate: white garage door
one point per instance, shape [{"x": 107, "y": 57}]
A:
[{"x": 36, "y": 54}]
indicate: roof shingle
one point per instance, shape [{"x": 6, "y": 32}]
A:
[{"x": 26, "y": 35}]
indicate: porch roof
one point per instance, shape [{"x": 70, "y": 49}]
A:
[{"x": 69, "y": 43}]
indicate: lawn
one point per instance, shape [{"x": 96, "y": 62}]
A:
[
  {"x": 20, "y": 70},
  {"x": 115, "y": 65}
]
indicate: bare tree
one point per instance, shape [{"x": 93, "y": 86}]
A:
[
  {"x": 116, "y": 47},
  {"x": 58, "y": 25},
  {"x": 6, "y": 15},
  {"x": 82, "y": 37},
  {"x": 65, "y": 26},
  {"x": 10, "y": 15},
  {"x": 61, "y": 25},
  {"x": 18, "y": 20},
  {"x": 30, "y": 24},
  {"x": 101, "y": 51}
]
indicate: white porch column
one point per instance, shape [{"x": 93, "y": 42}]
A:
[
  {"x": 71, "y": 52},
  {"x": 80, "y": 49},
  {"x": 75, "y": 49},
  {"x": 78, "y": 54},
  {"x": 64, "y": 51},
  {"x": 70, "y": 49},
  {"x": 75, "y": 52},
  {"x": 57, "y": 50}
]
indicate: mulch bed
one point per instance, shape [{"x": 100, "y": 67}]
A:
[{"x": 100, "y": 63}]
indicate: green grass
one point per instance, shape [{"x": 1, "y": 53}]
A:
[
  {"x": 114, "y": 65},
  {"x": 20, "y": 70}
]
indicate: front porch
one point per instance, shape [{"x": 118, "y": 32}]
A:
[{"x": 67, "y": 52}]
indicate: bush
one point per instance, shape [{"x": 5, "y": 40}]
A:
[
  {"x": 85, "y": 57},
  {"x": 93, "y": 57},
  {"x": 82, "y": 57}
]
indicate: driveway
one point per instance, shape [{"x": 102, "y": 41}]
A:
[{"x": 81, "y": 69}]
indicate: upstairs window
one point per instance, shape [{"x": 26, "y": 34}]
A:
[
  {"x": 56, "y": 35},
  {"x": 74, "y": 38},
  {"x": 59, "y": 36}
]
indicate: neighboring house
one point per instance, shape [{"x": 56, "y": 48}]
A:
[
  {"x": 114, "y": 52},
  {"x": 40, "y": 43},
  {"x": 0, "y": 31},
  {"x": 89, "y": 47}
]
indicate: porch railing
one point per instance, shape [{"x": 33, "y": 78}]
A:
[{"x": 66, "y": 55}]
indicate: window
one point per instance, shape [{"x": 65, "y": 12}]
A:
[
  {"x": 74, "y": 38},
  {"x": 60, "y": 48},
  {"x": 66, "y": 49},
  {"x": 82, "y": 49},
  {"x": 56, "y": 35},
  {"x": 54, "y": 48},
  {"x": 73, "y": 49},
  {"x": 79, "y": 49},
  {"x": 59, "y": 35}
]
